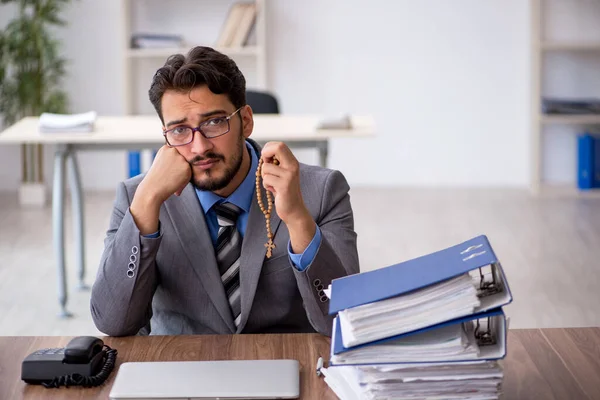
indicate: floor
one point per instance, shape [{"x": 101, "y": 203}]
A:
[{"x": 549, "y": 249}]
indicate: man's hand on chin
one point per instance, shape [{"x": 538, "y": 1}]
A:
[{"x": 169, "y": 175}]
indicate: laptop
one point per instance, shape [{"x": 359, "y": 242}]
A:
[{"x": 207, "y": 380}]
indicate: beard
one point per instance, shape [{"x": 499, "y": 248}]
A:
[{"x": 212, "y": 181}]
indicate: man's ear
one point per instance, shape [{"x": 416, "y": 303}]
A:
[{"x": 247, "y": 121}]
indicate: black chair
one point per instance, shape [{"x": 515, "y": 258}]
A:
[{"x": 262, "y": 102}]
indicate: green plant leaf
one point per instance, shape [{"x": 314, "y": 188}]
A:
[
  {"x": 56, "y": 102},
  {"x": 8, "y": 105},
  {"x": 3, "y": 61},
  {"x": 31, "y": 66},
  {"x": 49, "y": 12}
]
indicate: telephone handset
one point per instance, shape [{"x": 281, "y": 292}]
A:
[{"x": 86, "y": 361}]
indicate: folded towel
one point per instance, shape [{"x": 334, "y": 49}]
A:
[{"x": 64, "y": 123}]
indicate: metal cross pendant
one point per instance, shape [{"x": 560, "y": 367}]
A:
[{"x": 270, "y": 246}]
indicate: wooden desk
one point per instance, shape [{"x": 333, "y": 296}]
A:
[
  {"x": 145, "y": 132},
  {"x": 541, "y": 363}
]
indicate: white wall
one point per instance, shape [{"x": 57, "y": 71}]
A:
[{"x": 447, "y": 81}]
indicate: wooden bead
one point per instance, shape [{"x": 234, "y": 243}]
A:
[{"x": 265, "y": 209}]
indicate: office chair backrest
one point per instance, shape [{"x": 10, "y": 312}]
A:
[{"x": 262, "y": 102}]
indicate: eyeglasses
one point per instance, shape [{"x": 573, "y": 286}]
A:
[{"x": 212, "y": 128}]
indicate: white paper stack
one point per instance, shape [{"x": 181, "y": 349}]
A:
[
  {"x": 478, "y": 380},
  {"x": 67, "y": 123},
  {"x": 434, "y": 304},
  {"x": 448, "y": 343}
]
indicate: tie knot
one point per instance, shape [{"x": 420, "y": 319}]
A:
[{"x": 227, "y": 213}]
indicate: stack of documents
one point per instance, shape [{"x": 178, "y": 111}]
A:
[
  {"x": 466, "y": 380},
  {"x": 431, "y": 327},
  {"x": 450, "y": 299},
  {"x": 66, "y": 123}
]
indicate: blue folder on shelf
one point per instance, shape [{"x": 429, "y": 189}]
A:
[
  {"x": 408, "y": 276},
  {"x": 585, "y": 161},
  {"x": 489, "y": 335},
  {"x": 596, "y": 170}
]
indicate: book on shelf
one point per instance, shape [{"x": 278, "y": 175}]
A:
[
  {"x": 571, "y": 106},
  {"x": 156, "y": 41},
  {"x": 238, "y": 26},
  {"x": 596, "y": 170}
]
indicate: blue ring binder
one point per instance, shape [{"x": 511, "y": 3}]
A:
[{"x": 134, "y": 163}]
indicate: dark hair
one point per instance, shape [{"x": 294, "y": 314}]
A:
[{"x": 201, "y": 66}]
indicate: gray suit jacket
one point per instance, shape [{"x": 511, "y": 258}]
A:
[{"x": 175, "y": 286}]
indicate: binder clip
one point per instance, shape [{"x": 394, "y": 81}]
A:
[
  {"x": 488, "y": 287},
  {"x": 485, "y": 337}
]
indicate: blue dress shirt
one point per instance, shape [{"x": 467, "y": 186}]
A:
[{"x": 242, "y": 197}]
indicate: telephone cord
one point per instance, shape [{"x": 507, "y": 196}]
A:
[{"x": 87, "y": 381}]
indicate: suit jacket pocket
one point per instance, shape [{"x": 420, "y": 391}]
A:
[{"x": 276, "y": 264}]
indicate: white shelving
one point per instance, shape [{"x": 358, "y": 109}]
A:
[
  {"x": 194, "y": 31},
  {"x": 541, "y": 48},
  {"x": 571, "y": 119},
  {"x": 562, "y": 191},
  {"x": 165, "y": 52},
  {"x": 569, "y": 46}
]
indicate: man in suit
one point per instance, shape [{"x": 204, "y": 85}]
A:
[{"x": 185, "y": 250}]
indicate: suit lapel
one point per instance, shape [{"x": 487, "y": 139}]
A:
[
  {"x": 253, "y": 254},
  {"x": 190, "y": 225}
]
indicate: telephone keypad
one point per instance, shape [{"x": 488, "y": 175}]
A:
[{"x": 50, "y": 351}]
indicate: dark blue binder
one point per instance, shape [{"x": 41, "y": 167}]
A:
[
  {"x": 596, "y": 169},
  {"x": 498, "y": 351},
  {"x": 135, "y": 167},
  {"x": 585, "y": 161},
  {"x": 398, "y": 279}
]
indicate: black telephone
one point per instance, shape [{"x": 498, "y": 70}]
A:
[{"x": 86, "y": 361}]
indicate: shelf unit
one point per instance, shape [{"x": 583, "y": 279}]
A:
[
  {"x": 562, "y": 191},
  {"x": 132, "y": 57},
  {"x": 540, "y": 47},
  {"x": 569, "y": 46},
  {"x": 165, "y": 52},
  {"x": 570, "y": 119}
]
